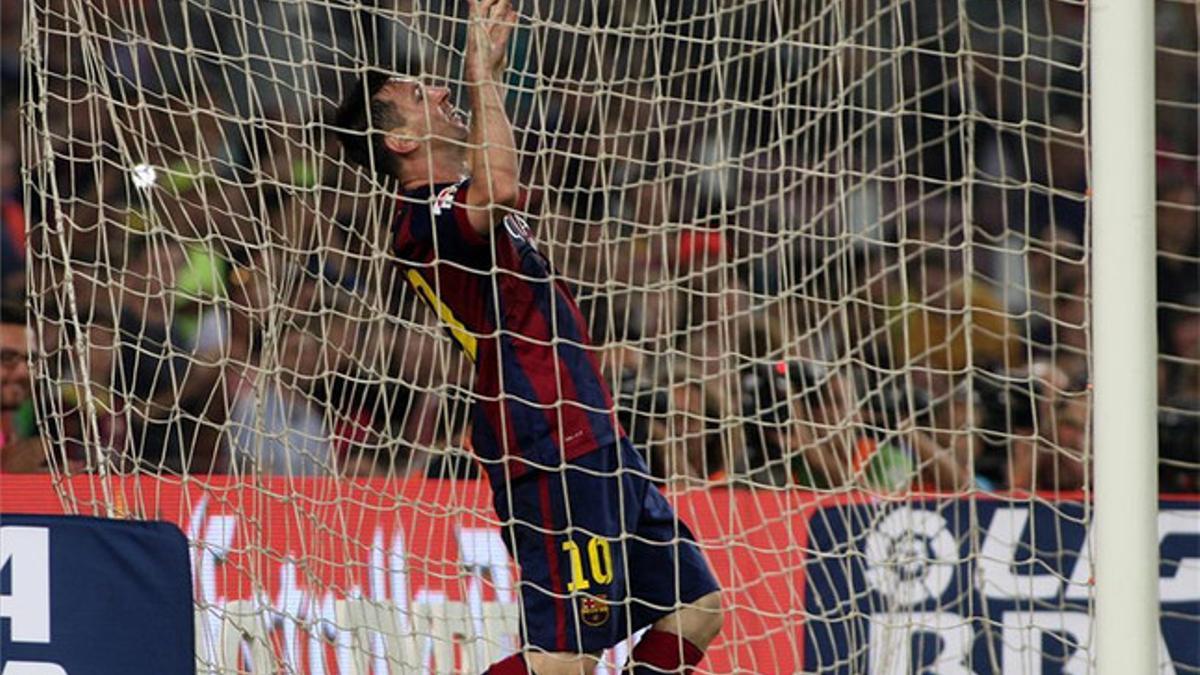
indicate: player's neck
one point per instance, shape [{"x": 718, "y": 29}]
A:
[{"x": 421, "y": 173}]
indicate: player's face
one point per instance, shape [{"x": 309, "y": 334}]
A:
[
  {"x": 425, "y": 111},
  {"x": 1071, "y": 424}
]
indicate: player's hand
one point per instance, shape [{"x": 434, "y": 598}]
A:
[{"x": 491, "y": 24}]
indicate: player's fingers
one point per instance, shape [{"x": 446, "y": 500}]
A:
[
  {"x": 485, "y": 8},
  {"x": 508, "y": 14},
  {"x": 504, "y": 28},
  {"x": 499, "y": 9}
]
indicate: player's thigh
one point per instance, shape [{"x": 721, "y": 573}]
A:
[{"x": 699, "y": 621}]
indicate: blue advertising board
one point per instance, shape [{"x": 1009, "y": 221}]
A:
[
  {"x": 977, "y": 586},
  {"x": 96, "y": 596}
]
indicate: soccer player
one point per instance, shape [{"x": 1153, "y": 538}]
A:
[{"x": 600, "y": 551}]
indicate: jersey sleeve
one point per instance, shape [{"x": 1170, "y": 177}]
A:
[{"x": 437, "y": 228}]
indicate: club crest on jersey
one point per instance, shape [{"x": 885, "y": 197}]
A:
[
  {"x": 593, "y": 610},
  {"x": 445, "y": 199}
]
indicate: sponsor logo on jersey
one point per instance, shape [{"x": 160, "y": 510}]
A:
[{"x": 445, "y": 199}]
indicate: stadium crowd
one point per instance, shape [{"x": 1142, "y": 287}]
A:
[{"x": 779, "y": 302}]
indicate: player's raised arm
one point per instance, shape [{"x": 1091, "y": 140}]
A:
[{"x": 492, "y": 157}]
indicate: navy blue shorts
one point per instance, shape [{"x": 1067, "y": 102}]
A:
[{"x": 601, "y": 552}]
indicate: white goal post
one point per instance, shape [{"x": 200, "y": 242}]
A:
[
  {"x": 1124, "y": 337},
  {"x": 894, "y": 297}
]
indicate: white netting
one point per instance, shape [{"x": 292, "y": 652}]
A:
[{"x": 840, "y": 246}]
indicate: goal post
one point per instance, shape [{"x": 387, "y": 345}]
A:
[
  {"x": 1124, "y": 337},
  {"x": 872, "y": 284}
]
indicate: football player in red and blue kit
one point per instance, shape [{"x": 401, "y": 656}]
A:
[{"x": 601, "y": 553}]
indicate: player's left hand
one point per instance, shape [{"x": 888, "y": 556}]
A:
[{"x": 491, "y": 25}]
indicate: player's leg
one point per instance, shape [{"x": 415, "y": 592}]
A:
[
  {"x": 679, "y": 640},
  {"x": 542, "y": 663},
  {"x": 700, "y": 622},
  {"x": 672, "y": 588},
  {"x": 572, "y": 574}
]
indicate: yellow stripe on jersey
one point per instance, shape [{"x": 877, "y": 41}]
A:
[{"x": 461, "y": 335}]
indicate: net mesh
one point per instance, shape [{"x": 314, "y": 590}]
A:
[{"x": 834, "y": 257}]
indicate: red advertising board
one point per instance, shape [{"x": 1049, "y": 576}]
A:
[
  {"x": 300, "y": 552},
  {"x": 295, "y": 542}
]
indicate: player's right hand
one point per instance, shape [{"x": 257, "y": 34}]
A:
[{"x": 491, "y": 24}]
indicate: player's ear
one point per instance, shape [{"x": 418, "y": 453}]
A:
[{"x": 399, "y": 144}]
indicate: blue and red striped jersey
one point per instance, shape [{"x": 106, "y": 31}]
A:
[{"x": 540, "y": 398}]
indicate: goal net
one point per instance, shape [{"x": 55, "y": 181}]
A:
[{"x": 833, "y": 257}]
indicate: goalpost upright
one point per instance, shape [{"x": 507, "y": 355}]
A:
[{"x": 1124, "y": 336}]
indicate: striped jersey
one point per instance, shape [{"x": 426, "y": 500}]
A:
[{"x": 540, "y": 398}]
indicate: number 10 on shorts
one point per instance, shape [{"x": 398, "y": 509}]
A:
[{"x": 599, "y": 553}]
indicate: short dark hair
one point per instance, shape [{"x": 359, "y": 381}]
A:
[{"x": 360, "y": 120}]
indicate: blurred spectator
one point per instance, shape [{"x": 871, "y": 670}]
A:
[
  {"x": 644, "y": 413},
  {"x": 695, "y": 413},
  {"x": 792, "y": 413},
  {"x": 275, "y": 428},
  {"x": 1179, "y": 446},
  {"x": 365, "y": 418},
  {"x": 895, "y": 449},
  {"x": 711, "y": 304},
  {"x": 1179, "y": 397},
  {"x": 615, "y": 328},
  {"x": 1067, "y": 345},
  {"x": 173, "y": 337},
  {"x": 82, "y": 415},
  {"x": 802, "y": 430},
  {"x": 675, "y": 428},
  {"x": 12, "y": 224},
  {"x": 21, "y": 448},
  {"x": 1045, "y": 420},
  {"x": 955, "y": 425},
  {"x": 1182, "y": 351},
  {"x": 1060, "y": 163},
  {"x": 231, "y": 308},
  {"x": 774, "y": 399},
  {"x": 1056, "y": 264},
  {"x": 1178, "y": 226},
  {"x": 1055, "y": 461},
  {"x": 1178, "y": 241},
  {"x": 936, "y": 320},
  {"x": 449, "y": 455}
]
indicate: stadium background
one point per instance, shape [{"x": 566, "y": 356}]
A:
[
  {"x": 695, "y": 272},
  {"x": 885, "y": 204}
]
